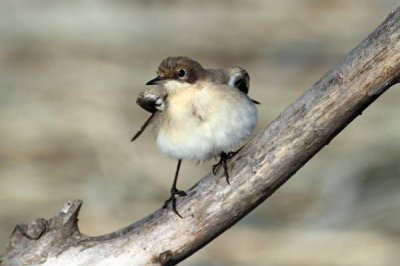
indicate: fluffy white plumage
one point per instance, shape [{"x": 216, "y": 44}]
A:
[{"x": 204, "y": 119}]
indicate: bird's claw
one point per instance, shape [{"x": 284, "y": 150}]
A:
[
  {"x": 223, "y": 162},
  {"x": 216, "y": 166},
  {"x": 175, "y": 193}
]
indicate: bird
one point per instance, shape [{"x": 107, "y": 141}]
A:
[
  {"x": 201, "y": 113},
  {"x": 152, "y": 98}
]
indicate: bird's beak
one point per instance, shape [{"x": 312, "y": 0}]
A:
[{"x": 155, "y": 81}]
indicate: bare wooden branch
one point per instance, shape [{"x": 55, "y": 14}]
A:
[{"x": 260, "y": 168}]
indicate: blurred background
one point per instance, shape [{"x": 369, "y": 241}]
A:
[{"x": 70, "y": 72}]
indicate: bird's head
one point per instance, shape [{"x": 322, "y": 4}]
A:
[{"x": 175, "y": 73}]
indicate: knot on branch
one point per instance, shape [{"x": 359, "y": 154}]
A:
[
  {"x": 164, "y": 258},
  {"x": 32, "y": 231}
]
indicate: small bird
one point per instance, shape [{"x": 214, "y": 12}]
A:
[
  {"x": 152, "y": 98},
  {"x": 202, "y": 113}
]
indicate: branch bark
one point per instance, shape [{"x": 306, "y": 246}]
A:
[{"x": 260, "y": 168}]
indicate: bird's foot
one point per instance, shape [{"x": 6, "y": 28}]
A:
[
  {"x": 223, "y": 163},
  {"x": 175, "y": 193}
]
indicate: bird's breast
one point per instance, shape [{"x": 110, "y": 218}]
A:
[{"x": 200, "y": 123}]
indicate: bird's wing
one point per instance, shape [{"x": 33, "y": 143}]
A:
[
  {"x": 240, "y": 80},
  {"x": 152, "y": 98}
]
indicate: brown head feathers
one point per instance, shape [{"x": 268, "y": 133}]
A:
[{"x": 181, "y": 68}]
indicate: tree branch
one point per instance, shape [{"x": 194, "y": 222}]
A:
[{"x": 260, "y": 168}]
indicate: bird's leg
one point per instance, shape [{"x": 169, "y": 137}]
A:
[
  {"x": 175, "y": 193},
  {"x": 223, "y": 162}
]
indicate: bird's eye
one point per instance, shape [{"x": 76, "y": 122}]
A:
[{"x": 181, "y": 73}]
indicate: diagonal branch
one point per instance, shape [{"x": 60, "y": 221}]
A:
[{"x": 260, "y": 168}]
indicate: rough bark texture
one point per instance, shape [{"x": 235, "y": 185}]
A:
[{"x": 261, "y": 167}]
